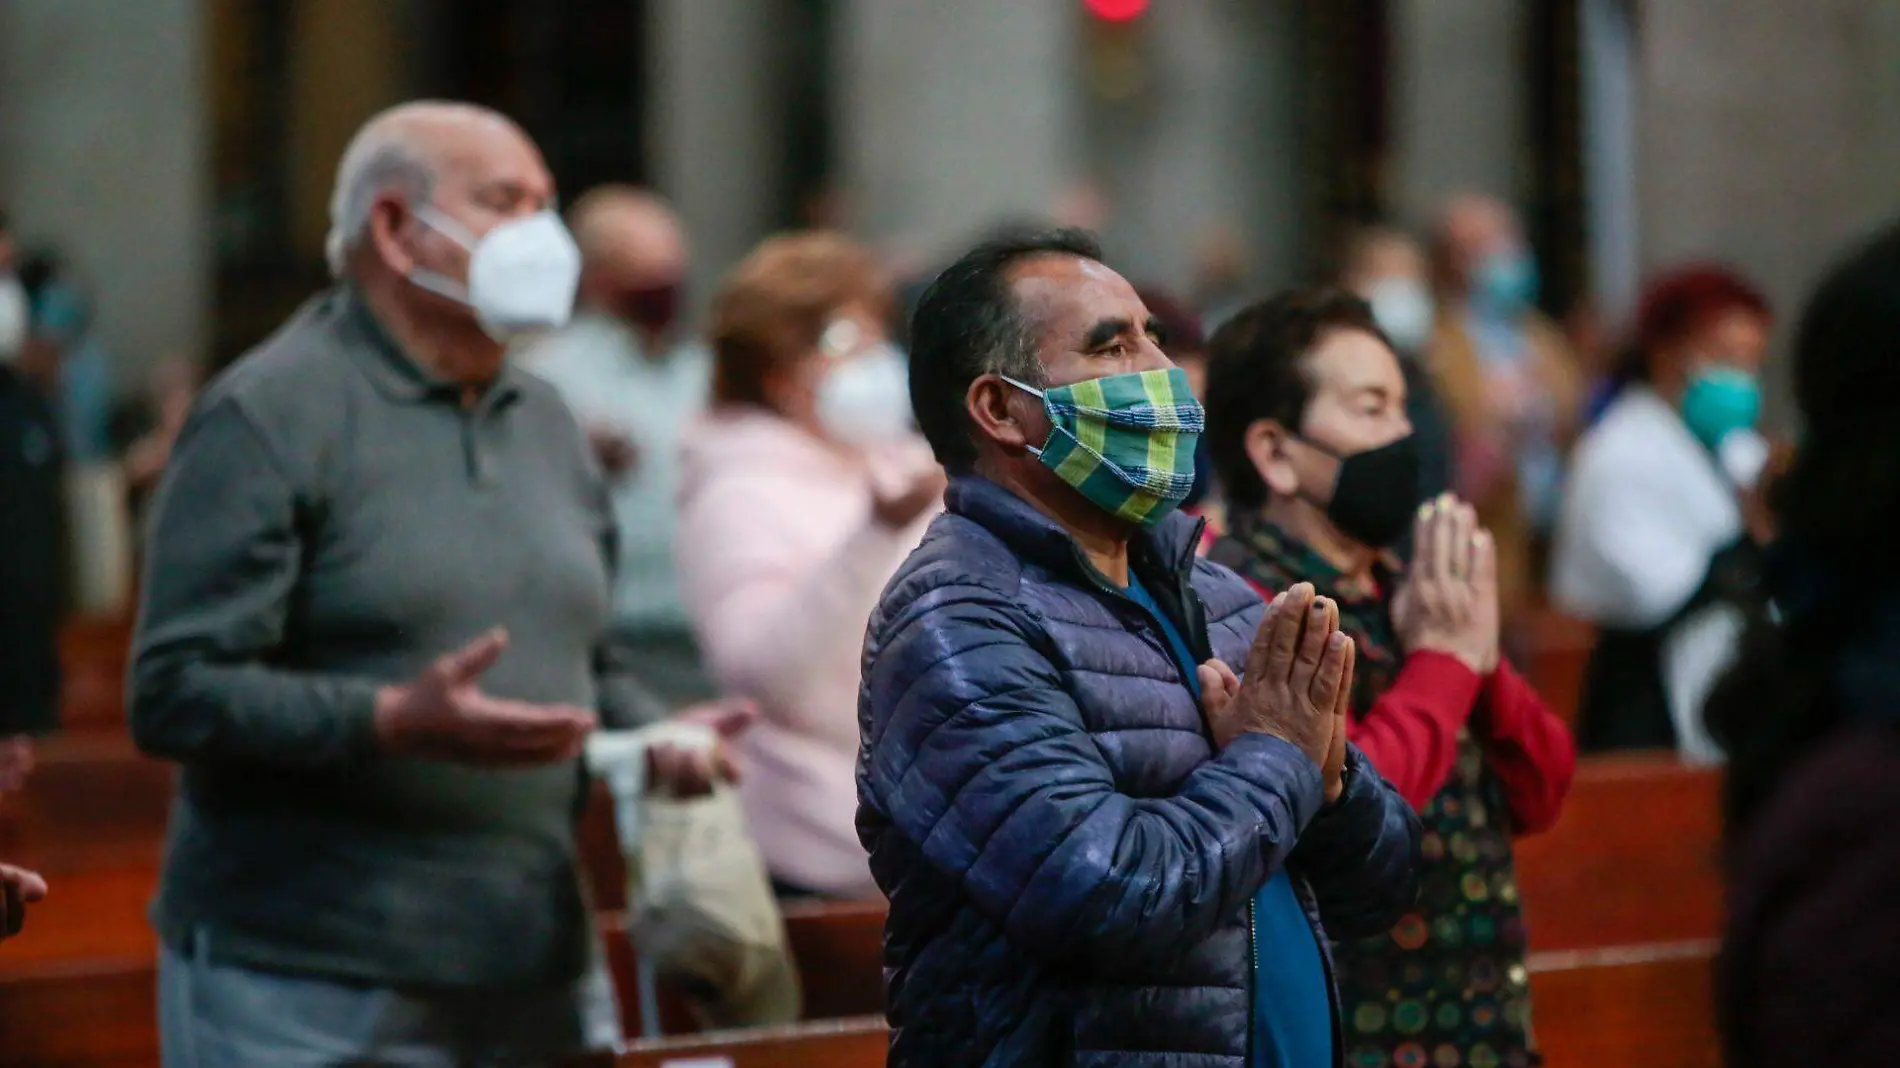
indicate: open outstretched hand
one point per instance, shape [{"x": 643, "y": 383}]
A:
[{"x": 445, "y": 715}]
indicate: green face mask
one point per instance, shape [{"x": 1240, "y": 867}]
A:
[
  {"x": 1125, "y": 442},
  {"x": 1718, "y": 402}
]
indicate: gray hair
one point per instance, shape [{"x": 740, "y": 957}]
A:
[{"x": 379, "y": 159}]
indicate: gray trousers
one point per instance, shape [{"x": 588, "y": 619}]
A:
[{"x": 216, "y": 1015}]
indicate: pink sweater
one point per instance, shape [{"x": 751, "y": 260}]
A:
[{"x": 780, "y": 565}]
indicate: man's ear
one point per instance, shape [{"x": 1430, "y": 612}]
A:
[
  {"x": 998, "y": 412},
  {"x": 1266, "y": 442},
  {"x": 388, "y": 218}
]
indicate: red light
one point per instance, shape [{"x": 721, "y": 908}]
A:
[{"x": 1117, "y": 10}]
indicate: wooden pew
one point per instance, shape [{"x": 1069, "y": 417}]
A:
[
  {"x": 601, "y": 862},
  {"x": 840, "y": 953},
  {"x": 1635, "y": 857},
  {"x": 102, "y": 947},
  {"x": 838, "y": 947},
  {"x": 93, "y": 654},
  {"x": 1633, "y": 824},
  {"x": 1631, "y": 1006},
  {"x": 98, "y": 1013},
  {"x": 1636, "y": 1007},
  {"x": 92, "y": 802},
  {"x": 1554, "y": 650},
  {"x": 1633, "y": 861},
  {"x": 852, "y": 1043},
  {"x": 100, "y": 915}
]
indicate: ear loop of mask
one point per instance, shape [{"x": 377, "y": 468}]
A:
[
  {"x": 1339, "y": 461},
  {"x": 1040, "y": 395},
  {"x": 435, "y": 281}
]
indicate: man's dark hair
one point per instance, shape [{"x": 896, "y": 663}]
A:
[
  {"x": 968, "y": 325},
  {"x": 1256, "y": 369}
]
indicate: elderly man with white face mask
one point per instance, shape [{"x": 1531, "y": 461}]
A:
[{"x": 378, "y": 581}]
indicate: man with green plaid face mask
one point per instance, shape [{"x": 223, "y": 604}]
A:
[
  {"x": 1125, "y": 442},
  {"x": 1100, "y": 842}
]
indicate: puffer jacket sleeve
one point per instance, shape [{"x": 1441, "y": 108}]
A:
[
  {"x": 980, "y": 758},
  {"x": 1360, "y": 855}
]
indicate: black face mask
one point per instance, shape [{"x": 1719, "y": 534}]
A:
[
  {"x": 654, "y": 308},
  {"x": 1376, "y": 493}
]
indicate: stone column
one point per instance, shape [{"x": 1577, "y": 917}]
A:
[
  {"x": 349, "y": 60},
  {"x": 103, "y": 154},
  {"x": 713, "y": 123},
  {"x": 1610, "y": 161},
  {"x": 1767, "y": 137},
  {"x": 1458, "y": 100},
  {"x": 1211, "y": 143},
  {"x": 954, "y": 115}
]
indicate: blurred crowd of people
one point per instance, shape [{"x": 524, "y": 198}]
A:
[
  {"x": 549, "y": 524},
  {"x": 1539, "y": 432},
  {"x": 79, "y": 453}
]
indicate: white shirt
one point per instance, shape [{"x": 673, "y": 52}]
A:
[
  {"x": 1645, "y": 511},
  {"x": 597, "y": 365}
]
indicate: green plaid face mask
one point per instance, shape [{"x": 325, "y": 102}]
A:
[{"x": 1125, "y": 442}]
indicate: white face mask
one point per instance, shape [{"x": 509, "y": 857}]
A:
[
  {"x": 521, "y": 274},
  {"x": 866, "y": 399},
  {"x": 1403, "y": 309},
  {"x": 16, "y": 316}
]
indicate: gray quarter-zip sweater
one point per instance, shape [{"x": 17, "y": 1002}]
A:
[{"x": 332, "y": 520}]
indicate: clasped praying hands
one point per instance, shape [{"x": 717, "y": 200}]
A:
[{"x": 1297, "y": 686}]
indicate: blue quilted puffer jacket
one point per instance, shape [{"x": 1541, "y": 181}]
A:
[{"x": 1070, "y": 864}]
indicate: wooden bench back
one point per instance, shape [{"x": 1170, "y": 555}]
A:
[
  {"x": 1638, "y": 1007},
  {"x": 1636, "y": 857}
]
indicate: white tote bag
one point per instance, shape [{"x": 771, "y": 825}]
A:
[
  {"x": 100, "y": 533},
  {"x": 700, "y": 906}
]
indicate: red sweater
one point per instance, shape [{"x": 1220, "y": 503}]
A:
[{"x": 1411, "y": 735}]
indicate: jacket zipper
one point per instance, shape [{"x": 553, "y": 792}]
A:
[
  {"x": 1332, "y": 981},
  {"x": 1195, "y": 614},
  {"x": 1253, "y": 977}
]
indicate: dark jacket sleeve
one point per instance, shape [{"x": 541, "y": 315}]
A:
[
  {"x": 222, "y": 560},
  {"x": 1360, "y": 855},
  {"x": 979, "y": 757}
]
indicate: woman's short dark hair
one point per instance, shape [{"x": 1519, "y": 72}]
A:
[
  {"x": 1256, "y": 369},
  {"x": 968, "y": 325},
  {"x": 1678, "y": 303},
  {"x": 1837, "y": 509}
]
